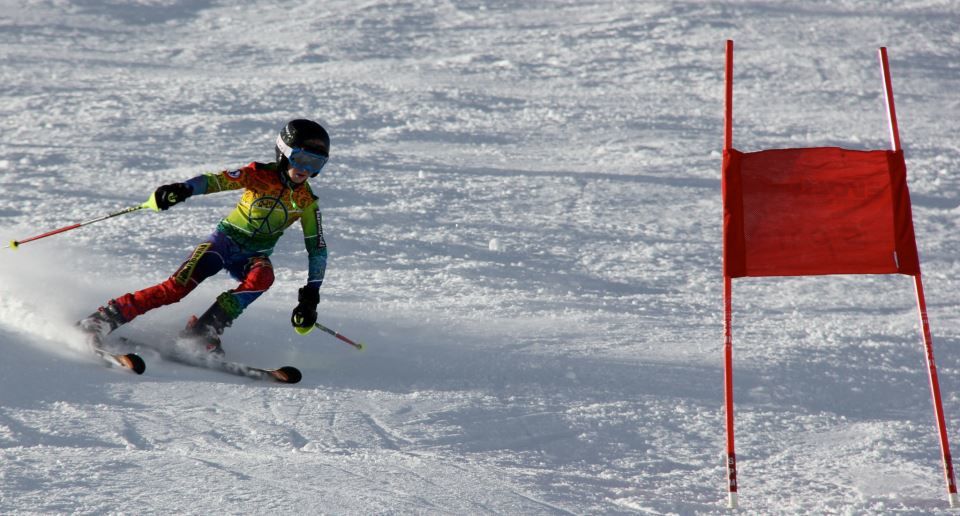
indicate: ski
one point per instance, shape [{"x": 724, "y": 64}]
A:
[
  {"x": 286, "y": 374},
  {"x": 130, "y": 361},
  {"x": 94, "y": 343}
]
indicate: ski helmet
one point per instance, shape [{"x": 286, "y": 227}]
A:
[{"x": 305, "y": 143}]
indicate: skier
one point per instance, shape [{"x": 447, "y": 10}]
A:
[{"x": 275, "y": 196}]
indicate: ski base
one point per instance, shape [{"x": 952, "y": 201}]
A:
[{"x": 286, "y": 374}]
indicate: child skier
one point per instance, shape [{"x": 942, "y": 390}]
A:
[{"x": 275, "y": 196}]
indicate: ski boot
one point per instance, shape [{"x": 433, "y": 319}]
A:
[
  {"x": 204, "y": 331},
  {"x": 100, "y": 323}
]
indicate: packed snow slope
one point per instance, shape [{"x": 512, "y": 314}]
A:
[{"x": 523, "y": 215}]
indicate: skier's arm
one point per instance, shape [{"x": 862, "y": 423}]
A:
[
  {"x": 168, "y": 195},
  {"x": 312, "y": 223},
  {"x": 219, "y": 182},
  {"x": 305, "y": 314}
]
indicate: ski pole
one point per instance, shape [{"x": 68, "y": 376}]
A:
[
  {"x": 358, "y": 345},
  {"x": 14, "y": 244}
]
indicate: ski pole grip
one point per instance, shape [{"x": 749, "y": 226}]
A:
[{"x": 151, "y": 203}]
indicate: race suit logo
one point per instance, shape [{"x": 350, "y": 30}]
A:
[{"x": 266, "y": 216}]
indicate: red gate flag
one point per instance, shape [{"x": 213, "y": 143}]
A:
[{"x": 813, "y": 211}]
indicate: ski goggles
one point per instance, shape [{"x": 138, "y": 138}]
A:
[
  {"x": 303, "y": 159},
  {"x": 306, "y": 160}
]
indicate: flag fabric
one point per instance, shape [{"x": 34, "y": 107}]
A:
[{"x": 814, "y": 211}]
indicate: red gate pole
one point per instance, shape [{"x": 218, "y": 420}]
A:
[
  {"x": 888, "y": 95},
  {"x": 728, "y": 100},
  {"x": 728, "y": 303},
  {"x": 935, "y": 394},
  {"x": 922, "y": 307},
  {"x": 728, "y": 391}
]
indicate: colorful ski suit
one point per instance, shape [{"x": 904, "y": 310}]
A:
[{"x": 242, "y": 241}]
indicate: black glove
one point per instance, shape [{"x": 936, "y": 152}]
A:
[
  {"x": 168, "y": 195},
  {"x": 305, "y": 314}
]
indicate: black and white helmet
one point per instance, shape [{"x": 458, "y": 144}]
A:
[{"x": 304, "y": 144}]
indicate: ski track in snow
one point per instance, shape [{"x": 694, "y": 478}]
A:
[{"x": 523, "y": 213}]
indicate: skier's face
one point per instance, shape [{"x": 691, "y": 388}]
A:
[{"x": 297, "y": 175}]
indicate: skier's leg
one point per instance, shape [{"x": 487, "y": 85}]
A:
[
  {"x": 257, "y": 276},
  {"x": 204, "y": 262}
]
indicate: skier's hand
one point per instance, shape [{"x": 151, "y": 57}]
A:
[
  {"x": 305, "y": 314},
  {"x": 168, "y": 195}
]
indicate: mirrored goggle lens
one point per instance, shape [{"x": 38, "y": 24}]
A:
[{"x": 309, "y": 161}]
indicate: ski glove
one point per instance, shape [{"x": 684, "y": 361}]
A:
[
  {"x": 305, "y": 314},
  {"x": 168, "y": 195}
]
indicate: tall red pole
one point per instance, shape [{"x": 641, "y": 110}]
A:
[
  {"x": 922, "y": 307},
  {"x": 728, "y": 391},
  {"x": 728, "y": 100},
  {"x": 728, "y": 304},
  {"x": 888, "y": 94},
  {"x": 935, "y": 394}
]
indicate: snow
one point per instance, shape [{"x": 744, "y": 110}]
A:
[{"x": 523, "y": 214}]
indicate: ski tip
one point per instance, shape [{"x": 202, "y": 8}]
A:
[
  {"x": 287, "y": 374},
  {"x": 134, "y": 362}
]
